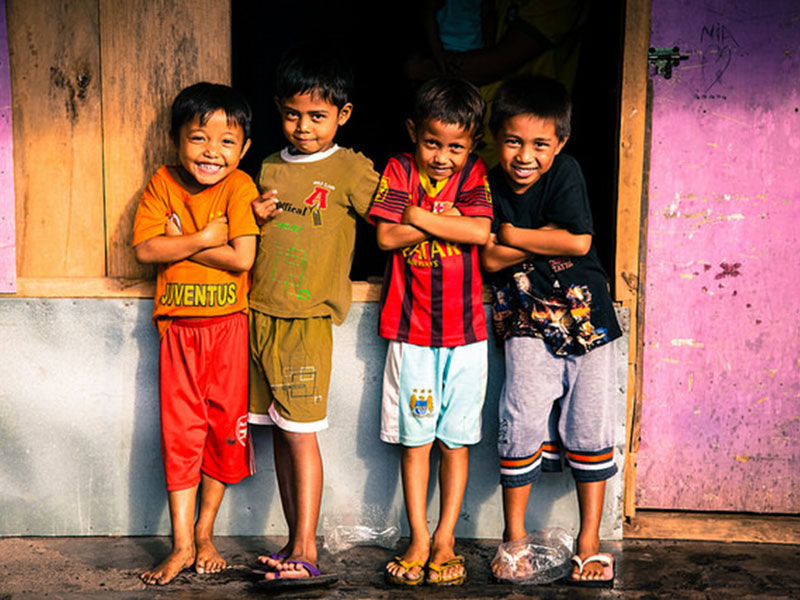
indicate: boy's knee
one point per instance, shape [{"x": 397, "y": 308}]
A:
[{"x": 451, "y": 448}]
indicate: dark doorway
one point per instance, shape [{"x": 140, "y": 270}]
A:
[{"x": 379, "y": 38}]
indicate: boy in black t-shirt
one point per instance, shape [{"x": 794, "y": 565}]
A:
[{"x": 552, "y": 309}]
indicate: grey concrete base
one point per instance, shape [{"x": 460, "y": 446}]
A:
[{"x": 80, "y": 445}]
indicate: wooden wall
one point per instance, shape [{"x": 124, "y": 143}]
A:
[
  {"x": 630, "y": 218},
  {"x": 92, "y": 81}
]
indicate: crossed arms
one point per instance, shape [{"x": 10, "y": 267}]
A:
[
  {"x": 512, "y": 245},
  {"x": 419, "y": 225},
  {"x": 209, "y": 246}
]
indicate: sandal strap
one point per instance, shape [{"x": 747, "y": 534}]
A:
[
  {"x": 603, "y": 559},
  {"x": 457, "y": 561},
  {"x": 409, "y": 564}
]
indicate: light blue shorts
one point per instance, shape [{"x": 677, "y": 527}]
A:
[{"x": 433, "y": 393}]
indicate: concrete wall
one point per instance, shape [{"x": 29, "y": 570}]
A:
[{"x": 80, "y": 447}]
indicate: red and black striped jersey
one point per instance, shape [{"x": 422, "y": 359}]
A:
[{"x": 432, "y": 291}]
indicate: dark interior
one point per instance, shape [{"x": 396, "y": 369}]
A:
[{"x": 378, "y": 37}]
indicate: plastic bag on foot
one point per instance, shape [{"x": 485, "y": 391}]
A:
[{"x": 541, "y": 557}]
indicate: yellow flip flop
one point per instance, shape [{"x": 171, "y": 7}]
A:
[
  {"x": 458, "y": 561},
  {"x": 407, "y": 565}
]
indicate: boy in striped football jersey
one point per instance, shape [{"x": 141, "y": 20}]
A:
[
  {"x": 552, "y": 309},
  {"x": 433, "y": 209}
]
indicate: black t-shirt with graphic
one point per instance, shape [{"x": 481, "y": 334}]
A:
[{"x": 563, "y": 300}]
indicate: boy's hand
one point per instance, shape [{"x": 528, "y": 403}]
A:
[
  {"x": 215, "y": 233},
  {"x": 549, "y": 240},
  {"x": 507, "y": 230},
  {"x": 411, "y": 212},
  {"x": 265, "y": 207},
  {"x": 172, "y": 229},
  {"x": 408, "y": 214}
]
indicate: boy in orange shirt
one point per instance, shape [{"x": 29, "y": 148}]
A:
[{"x": 195, "y": 222}]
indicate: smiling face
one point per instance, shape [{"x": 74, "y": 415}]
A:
[
  {"x": 310, "y": 122},
  {"x": 441, "y": 149},
  {"x": 526, "y": 148},
  {"x": 209, "y": 151}
]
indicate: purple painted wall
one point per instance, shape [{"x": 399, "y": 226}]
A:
[
  {"x": 721, "y": 388},
  {"x": 8, "y": 282}
]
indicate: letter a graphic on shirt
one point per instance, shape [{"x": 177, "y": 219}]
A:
[{"x": 318, "y": 197}]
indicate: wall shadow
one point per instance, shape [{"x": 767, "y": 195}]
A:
[{"x": 147, "y": 494}]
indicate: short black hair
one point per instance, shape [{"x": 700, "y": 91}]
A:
[
  {"x": 450, "y": 100},
  {"x": 541, "y": 97},
  {"x": 315, "y": 69},
  {"x": 203, "y": 99}
]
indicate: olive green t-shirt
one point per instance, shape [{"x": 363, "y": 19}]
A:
[{"x": 304, "y": 255}]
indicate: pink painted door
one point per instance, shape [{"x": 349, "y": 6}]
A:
[
  {"x": 8, "y": 280},
  {"x": 721, "y": 370}
]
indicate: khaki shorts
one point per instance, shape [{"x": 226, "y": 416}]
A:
[{"x": 290, "y": 371}]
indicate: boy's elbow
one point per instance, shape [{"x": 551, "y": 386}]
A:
[
  {"x": 246, "y": 258},
  {"x": 482, "y": 238},
  {"x": 386, "y": 241},
  {"x": 242, "y": 265},
  {"x": 142, "y": 254},
  {"x": 490, "y": 266},
  {"x": 385, "y": 244},
  {"x": 482, "y": 233},
  {"x": 583, "y": 244},
  {"x": 488, "y": 262}
]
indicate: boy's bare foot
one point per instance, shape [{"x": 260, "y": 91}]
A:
[
  {"x": 208, "y": 559},
  {"x": 291, "y": 568},
  {"x": 587, "y": 546},
  {"x": 503, "y": 569},
  {"x": 415, "y": 556},
  {"x": 442, "y": 553},
  {"x": 272, "y": 560},
  {"x": 176, "y": 561}
]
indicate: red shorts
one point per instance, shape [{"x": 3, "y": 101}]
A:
[{"x": 203, "y": 370}]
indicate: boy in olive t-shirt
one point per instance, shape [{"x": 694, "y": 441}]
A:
[{"x": 313, "y": 191}]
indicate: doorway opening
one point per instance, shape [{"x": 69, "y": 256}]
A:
[{"x": 379, "y": 39}]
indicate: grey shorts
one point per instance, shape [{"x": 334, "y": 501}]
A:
[{"x": 552, "y": 403}]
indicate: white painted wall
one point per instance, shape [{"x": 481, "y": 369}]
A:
[{"x": 79, "y": 446}]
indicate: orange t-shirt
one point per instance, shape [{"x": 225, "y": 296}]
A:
[{"x": 186, "y": 288}]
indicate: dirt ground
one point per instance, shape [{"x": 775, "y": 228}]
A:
[{"x": 102, "y": 567}]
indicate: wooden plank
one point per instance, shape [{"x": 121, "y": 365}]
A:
[
  {"x": 366, "y": 291},
  {"x": 8, "y": 255},
  {"x": 84, "y": 287},
  {"x": 629, "y": 218},
  {"x": 150, "y": 50},
  {"x": 55, "y": 85},
  {"x": 631, "y": 147},
  {"x": 713, "y": 527},
  {"x": 118, "y": 287}
]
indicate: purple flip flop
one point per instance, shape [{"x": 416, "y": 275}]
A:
[{"x": 314, "y": 579}]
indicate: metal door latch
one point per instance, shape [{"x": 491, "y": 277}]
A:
[{"x": 663, "y": 59}]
